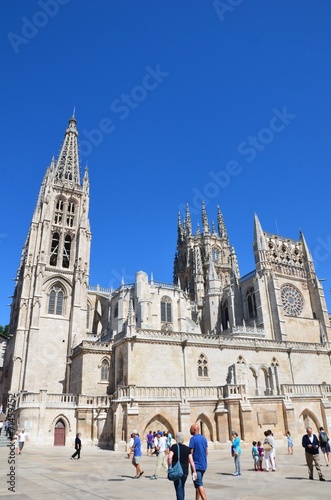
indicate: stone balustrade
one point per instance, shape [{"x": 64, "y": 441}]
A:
[{"x": 306, "y": 389}]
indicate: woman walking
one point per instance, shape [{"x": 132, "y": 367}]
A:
[
  {"x": 185, "y": 458},
  {"x": 236, "y": 452}
]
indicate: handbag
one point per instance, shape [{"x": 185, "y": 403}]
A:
[
  {"x": 175, "y": 472},
  {"x": 267, "y": 446}
]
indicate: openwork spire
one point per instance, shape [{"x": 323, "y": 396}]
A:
[
  {"x": 220, "y": 223},
  {"x": 67, "y": 165},
  {"x": 188, "y": 222},
  {"x": 205, "y": 225}
]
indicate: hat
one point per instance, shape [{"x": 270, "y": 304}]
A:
[
  {"x": 159, "y": 432},
  {"x": 134, "y": 431}
]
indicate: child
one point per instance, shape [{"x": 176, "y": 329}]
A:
[
  {"x": 255, "y": 455},
  {"x": 261, "y": 454},
  {"x": 289, "y": 443}
]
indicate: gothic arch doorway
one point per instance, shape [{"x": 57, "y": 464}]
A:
[
  {"x": 308, "y": 419},
  {"x": 60, "y": 433}
]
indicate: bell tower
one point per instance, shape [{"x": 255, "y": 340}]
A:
[{"x": 49, "y": 309}]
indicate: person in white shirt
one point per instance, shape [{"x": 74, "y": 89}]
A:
[
  {"x": 161, "y": 460},
  {"x": 21, "y": 440}
]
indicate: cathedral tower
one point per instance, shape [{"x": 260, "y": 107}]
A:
[
  {"x": 204, "y": 282},
  {"x": 48, "y": 315}
]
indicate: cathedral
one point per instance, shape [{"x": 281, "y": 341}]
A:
[{"x": 247, "y": 353}]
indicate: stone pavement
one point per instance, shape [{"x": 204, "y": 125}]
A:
[{"x": 42, "y": 473}]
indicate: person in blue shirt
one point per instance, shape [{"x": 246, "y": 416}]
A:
[
  {"x": 236, "y": 452},
  {"x": 136, "y": 449},
  {"x": 199, "y": 450}
]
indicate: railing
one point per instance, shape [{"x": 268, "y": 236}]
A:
[
  {"x": 178, "y": 393},
  {"x": 99, "y": 289},
  {"x": 306, "y": 389}
]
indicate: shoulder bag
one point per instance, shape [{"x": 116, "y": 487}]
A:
[{"x": 175, "y": 472}]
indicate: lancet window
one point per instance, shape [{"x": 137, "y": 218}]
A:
[
  {"x": 56, "y": 300},
  {"x": 104, "y": 371},
  {"x": 251, "y": 303},
  {"x": 58, "y": 216},
  {"x": 66, "y": 251},
  {"x": 54, "y": 249},
  {"x": 70, "y": 214},
  {"x": 166, "y": 310}
]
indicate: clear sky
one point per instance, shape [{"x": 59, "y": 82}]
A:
[{"x": 175, "y": 101}]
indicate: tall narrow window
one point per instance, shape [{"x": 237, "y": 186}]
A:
[
  {"x": 202, "y": 366},
  {"x": 66, "y": 251},
  {"x": 104, "y": 371},
  {"x": 88, "y": 312},
  {"x": 54, "y": 249},
  {"x": 70, "y": 214},
  {"x": 225, "y": 315},
  {"x": 55, "y": 304},
  {"x": 251, "y": 303},
  {"x": 58, "y": 212},
  {"x": 166, "y": 310},
  {"x": 214, "y": 254}
]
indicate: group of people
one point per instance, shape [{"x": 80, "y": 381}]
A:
[
  {"x": 193, "y": 456},
  {"x": 260, "y": 451},
  {"x": 18, "y": 440}
]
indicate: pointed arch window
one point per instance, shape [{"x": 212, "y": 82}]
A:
[
  {"x": 104, "y": 371},
  {"x": 202, "y": 366},
  {"x": 225, "y": 315},
  {"x": 66, "y": 251},
  {"x": 214, "y": 254},
  {"x": 70, "y": 214},
  {"x": 166, "y": 316},
  {"x": 251, "y": 303},
  {"x": 54, "y": 249},
  {"x": 58, "y": 215},
  {"x": 56, "y": 301}
]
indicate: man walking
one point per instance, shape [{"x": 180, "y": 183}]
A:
[
  {"x": 136, "y": 450},
  {"x": 161, "y": 460},
  {"x": 199, "y": 450},
  {"x": 311, "y": 445}
]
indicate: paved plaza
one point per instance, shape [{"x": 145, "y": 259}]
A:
[{"x": 42, "y": 473}]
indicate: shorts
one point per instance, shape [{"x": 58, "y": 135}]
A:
[
  {"x": 136, "y": 459},
  {"x": 199, "y": 481},
  {"x": 149, "y": 446},
  {"x": 256, "y": 459},
  {"x": 20, "y": 445}
]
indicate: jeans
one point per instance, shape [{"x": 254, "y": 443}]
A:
[
  {"x": 180, "y": 487},
  {"x": 237, "y": 463}
]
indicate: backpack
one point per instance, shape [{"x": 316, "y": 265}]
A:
[{"x": 323, "y": 437}]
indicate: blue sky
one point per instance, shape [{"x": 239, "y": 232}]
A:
[{"x": 229, "y": 101}]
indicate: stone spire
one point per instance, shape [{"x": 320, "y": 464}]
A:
[
  {"x": 179, "y": 229},
  {"x": 67, "y": 165},
  {"x": 188, "y": 222},
  {"x": 205, "y": 225},
  {"x": 220, "y": 224}
]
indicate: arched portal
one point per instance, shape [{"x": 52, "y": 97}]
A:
[{"x": 59, "y": 433}]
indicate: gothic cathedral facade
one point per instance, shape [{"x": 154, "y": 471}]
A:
[{"x": 246, "y": 353}]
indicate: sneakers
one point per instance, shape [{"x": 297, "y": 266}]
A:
[
  {"x": 236, "y": 474},
  {"x": 141, "y": 474},
  {"x": 322, "y": 478},
  {"x": 153, "y": 477}
]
